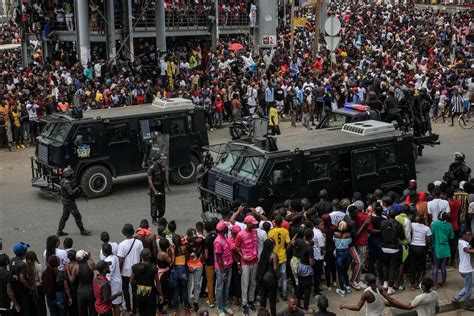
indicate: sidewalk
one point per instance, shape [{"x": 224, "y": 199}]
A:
[{"x": 454, "y": 282}]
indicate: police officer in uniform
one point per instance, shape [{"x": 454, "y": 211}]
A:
[
  {"x": 69, "y": 192},
  {"x": 157, "y": 182},
  {"x": 458, "y": 169}
]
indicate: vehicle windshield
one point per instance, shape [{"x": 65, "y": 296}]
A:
[
  {"x": 226, "y": 162},
  {"x": 336, "y": 120},
  {"x": 56, "y": 131},
  {"x": 250, "y": 168}
]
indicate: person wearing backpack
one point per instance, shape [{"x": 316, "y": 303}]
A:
[
  {"x": 392, "y": 233},
  {"x": 442, "y": 231}
]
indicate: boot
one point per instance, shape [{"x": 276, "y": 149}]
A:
[
  {"x": 61, "y": 233},
  {"x": 86, "y": 232}
]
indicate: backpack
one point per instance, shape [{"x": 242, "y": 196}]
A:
[{"x": 389, "y": 234}]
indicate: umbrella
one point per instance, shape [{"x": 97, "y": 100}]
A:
[{"x": 236, "y": 46}]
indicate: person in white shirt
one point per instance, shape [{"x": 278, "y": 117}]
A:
[
  {"x": 318, "y": 252},
  {"x": 437, "y": 205},
  {"x": 105, "y": 238},
  {"x": 420, "y": 239},
  {"x": 114, "y": 276},
  {"x": 128, "y": 253},
  {"x": 465, "y": 269},
  {"x": 52, "y": 244}
]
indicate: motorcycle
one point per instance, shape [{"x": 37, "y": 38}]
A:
[{"x": 245, "y": 125}]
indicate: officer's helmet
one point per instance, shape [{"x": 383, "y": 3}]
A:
[
  {"x": 459, "y": 156},
  {"x": 68, "y": 173}
]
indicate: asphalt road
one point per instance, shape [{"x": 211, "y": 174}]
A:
[{"x": 27, "y": 215}]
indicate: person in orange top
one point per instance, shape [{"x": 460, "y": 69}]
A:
[
  {"x": 422, "y": 207},
  {"x": 63, "y": 106}
]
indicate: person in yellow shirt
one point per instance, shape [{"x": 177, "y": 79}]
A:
[
  {"x": 281, "y": 237},
  {"x": 273, "y": 120},
  {"x": 99, "y": 99},
  {"x": 16, "y": 117}
]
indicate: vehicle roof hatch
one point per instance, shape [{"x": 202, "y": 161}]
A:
[{"x": 370, "y": 127}]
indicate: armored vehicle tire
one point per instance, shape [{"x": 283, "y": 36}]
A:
[
  {"x": 186, "y": 174},
  {"x": 96, "y": 181}
]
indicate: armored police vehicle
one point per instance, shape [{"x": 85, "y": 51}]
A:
[
  {"x": 360, "y": 157},
  {"x": 110, "y": 143},
  {"x": 352, "y": 113}
]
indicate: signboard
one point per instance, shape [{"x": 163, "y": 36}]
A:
[
  {"x": 300, "y": 22},
  {"x": 269, "y": 40},
  {"x": 307, "y": 3},
  {"x": 332, "y": 42},
  {"x": 332, "y": 26}
]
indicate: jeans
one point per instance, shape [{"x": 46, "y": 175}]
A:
[
  {"x": 194, "y": 282},
  {"x": 375, "y": 255},
  {"x": 439, "y": 263},
  {"x": 466, "y": 290},
  {"x": 126, "y": 295},
  {"x": 318, "y": 272},
  {"x": 210, "y": 277},
  {"x": 304, "y": 289},
  {"x": 282, "y": 282},
  {"x": 222, "y": 289},
  {"x": 248, "y": 283},
  {"x": 57, "y": 307},
  {"x": 343, "y": 260},
  {"x": 391, "y": 262},
  {"x": 179, "y": 278},
  {"x": 417, "y": 263}
]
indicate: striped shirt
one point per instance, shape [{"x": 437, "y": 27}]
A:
[
  {"x": 457, "y": 104},
  {"x": 464, "y": 198}
]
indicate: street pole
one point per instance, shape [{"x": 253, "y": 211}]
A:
[
  {"x": 316, "y": 28},
  {"x": 160, "y": 26},
  {"x": 111, "y": 40},
  {"x": 83, "y": 32},
  {"x": 292, "y": 27}
]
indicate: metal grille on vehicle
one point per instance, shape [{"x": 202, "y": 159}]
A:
[
  {"x": 43, "y": 153},
  {"x": 224, "y": 190}
]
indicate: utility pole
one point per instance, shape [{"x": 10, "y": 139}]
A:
[
  {"x": 292, "y": 27},
  {"x": 160, "y": 27},
  {"x": 317, "y": 13}
]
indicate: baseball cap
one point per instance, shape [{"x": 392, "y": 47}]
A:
[
  {"x": 235, "y": 229},
  {"x": 259, "y": 210},
  {"x": 251, "y": 220},
  {"x": 20, "y": 248},
  {"x": 221, "y": 226},
  {"x": 101, "y": 265},
  {"x": 81, "y": 254}
]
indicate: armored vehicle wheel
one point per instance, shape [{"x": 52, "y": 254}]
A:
[
  {"x": 186, "y": 174},
  {"x": 96, "y": 181}
]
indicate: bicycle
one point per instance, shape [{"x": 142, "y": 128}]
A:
[{"x": 466, "y": 119}]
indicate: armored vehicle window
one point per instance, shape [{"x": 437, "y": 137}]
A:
[
  {"x": 336, "y": 120},
  {"x": 117, "y": 133},
  {"x": 364, "y": 162},
  {"x": 88, "y": 134},
  {"x": 317, "y": 167},
  {"x": 387, "y": 156},
  {"x": 226, "y": 162},
  {"x": 281, "y": 173},
  {"x": 60, "y": 131},
  {"x": 250, "y": 168},
  {"x": 177, "y": 126}
]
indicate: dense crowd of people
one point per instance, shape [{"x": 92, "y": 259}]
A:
[{"x": 298, "y": 253}]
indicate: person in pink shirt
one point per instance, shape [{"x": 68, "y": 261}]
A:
[
  {"x": 223, "y": 263},
  {"x": 246, "y": 246}
]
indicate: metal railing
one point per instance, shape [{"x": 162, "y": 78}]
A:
[{"x": 144, "y": 19}]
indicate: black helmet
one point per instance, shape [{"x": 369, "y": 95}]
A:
[
  {"x": 68, "y": 173},
  {"x": 459, "y": 156}
]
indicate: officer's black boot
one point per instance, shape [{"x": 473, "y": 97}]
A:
[{"x": 84, "y": 232}]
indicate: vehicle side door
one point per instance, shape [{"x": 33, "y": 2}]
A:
[
  {"x": 321, "y": 172},
  {"x": 282, "y": 180},
  {"x": 389, "y": 167},
  {"x": 364, "y": 170},
  {"x": 179, "y": 140},
  {"x": 88, "y": 142},
  {"x": 122, "y": 142}
]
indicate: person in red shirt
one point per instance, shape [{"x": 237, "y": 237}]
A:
[
  {"x": 102, "y": 289},
  {"x": 363, "y": 227},
  {"x": 455, "y": 206},
  {"x": 219, "y": 110}
]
